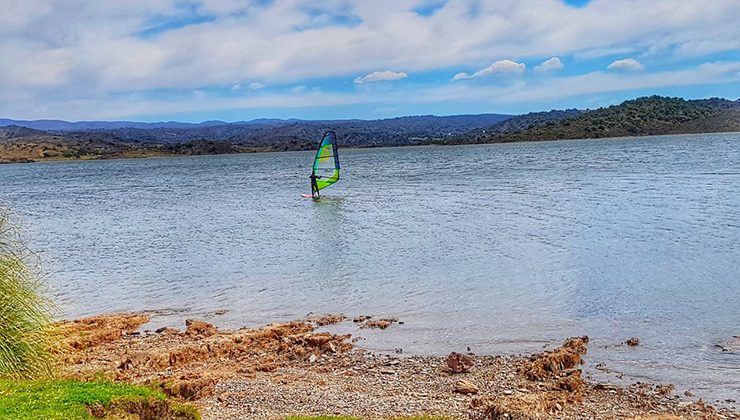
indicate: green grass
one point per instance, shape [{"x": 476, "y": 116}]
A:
[
  {"x": 67, "y": 399},
  {"x": 25, "y": 315},
  {"x": 61, "y": 399}
]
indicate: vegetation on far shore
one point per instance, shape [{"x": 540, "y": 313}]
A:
[
  {"x": 653, "y": 115},
  {"x": 639, "y": 117}
]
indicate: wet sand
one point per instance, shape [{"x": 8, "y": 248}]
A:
[{"x": 291, "y": 369}]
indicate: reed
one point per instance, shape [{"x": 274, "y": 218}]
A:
[{"x": 26, "y": 330}]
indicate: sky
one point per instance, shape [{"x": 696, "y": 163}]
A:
[{"x": 154, "y": 60}]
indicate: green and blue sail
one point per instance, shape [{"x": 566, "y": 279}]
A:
[{"x": 326, "y": 163}]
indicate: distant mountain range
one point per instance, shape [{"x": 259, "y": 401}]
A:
[
  {"x": 271, "y": 132},
  {"x": 60, "y": 125},
  {"x": 22, "y": 141}
]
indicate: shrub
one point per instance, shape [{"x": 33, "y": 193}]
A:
[{"x": 25, "y": 316}]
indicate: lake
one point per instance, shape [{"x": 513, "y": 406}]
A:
[{"x": 500, "y": 248}]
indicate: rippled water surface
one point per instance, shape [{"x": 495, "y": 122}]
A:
[{"x": 502, "y": 248}]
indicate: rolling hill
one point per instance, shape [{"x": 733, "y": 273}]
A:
[
  {"x": 644, "y": 116},
  {"x": 23, "y": 141}
]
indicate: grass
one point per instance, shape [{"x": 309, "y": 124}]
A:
[
  {"x": 25, "y": 315},
  {"x": 67, "y": 399}
]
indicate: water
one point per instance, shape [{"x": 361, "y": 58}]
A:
[{"x": 502, "y": 248}]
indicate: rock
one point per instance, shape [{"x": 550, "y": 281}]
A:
[
  {"x": 632, "y": 342},
  {"x": 608, "y": 387},
  {"x": 201, "y": 328},
  {"x": 312, "y": 359},
  {"x": 466, "y": 387},
  {"x": 167, "y": 331},
  {"x": 361, "y": 318},
  {"x": 326, "y": 319},
  {"x": 318, "y": 340},
  {"x": 190, "y": 389},
  {"x": 552, "y": 363},
  {"x": 459, "y": 363},
  {"x": 381, "y": 323},
  {"x": 664, "y": 389}
]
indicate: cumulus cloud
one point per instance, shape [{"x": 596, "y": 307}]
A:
[
  {"x": 538, "y": 89},
  {"x": 98, "y": 51},
  {"x": 499, "y": 67},
  {"x": 380, "y": 76},
  {"x": 626, "y": 64},
  {"x": 551, "y": 64}
]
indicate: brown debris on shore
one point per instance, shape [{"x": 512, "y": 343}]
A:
[
  {"x": 90, "y": 332},
  {"x": 188, "y": 364},
  {"x": 326, "y": 319},
  {"x": 379, "y": 323},
  {"x": 290, "y": 369}
]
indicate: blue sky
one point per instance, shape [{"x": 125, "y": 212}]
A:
[{"x": 234, "y": 60}]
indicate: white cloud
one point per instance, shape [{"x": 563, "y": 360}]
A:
[
  {"x": 256, "y": 86},
  {"x": 551, "y": 64},
  {"x": 596, "y": 83},
  {"x": 626, "y": 64},
  {"x": 499, "y": 67},
  {"x": 461, "y": 76},
  {"x": 96, "y": 50},
  {"x": 379, "y": 76}
]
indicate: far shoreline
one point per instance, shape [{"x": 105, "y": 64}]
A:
[{"x": 267, "y": 150}]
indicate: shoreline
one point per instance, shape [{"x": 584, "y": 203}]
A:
[
  {"x": 154, "y": 153},
  {"x": 291, "y": 368}
]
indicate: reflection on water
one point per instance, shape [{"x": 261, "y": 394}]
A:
[{"x": 499, "y": 247}]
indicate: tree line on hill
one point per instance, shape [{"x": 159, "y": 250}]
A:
[{"x": 638, "y": 117}]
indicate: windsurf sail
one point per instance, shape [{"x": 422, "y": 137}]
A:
[{"x": 326, "y": 163}]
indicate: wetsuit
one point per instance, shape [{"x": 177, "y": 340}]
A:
[{"x": 314, "y": 187}]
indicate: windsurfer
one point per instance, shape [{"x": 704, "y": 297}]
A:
[{"x": 314, "y": 186}]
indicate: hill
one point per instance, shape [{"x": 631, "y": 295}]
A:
[
  {"x": 638, "y": 117},
  {"x": 644, "y": 116},
  {"x": 22, "y": 144}
]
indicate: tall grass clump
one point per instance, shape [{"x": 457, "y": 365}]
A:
[{"x": 25, "y": 315}]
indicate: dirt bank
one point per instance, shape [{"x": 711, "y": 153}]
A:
[{"x": 290, "y": 369}]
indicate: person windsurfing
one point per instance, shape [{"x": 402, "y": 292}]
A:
[
  {"x": 314, "y": 186},
  {"x": 325, "y": 168}
]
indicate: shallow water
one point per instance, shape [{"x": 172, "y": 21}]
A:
[{"x": 500, "y": 248}]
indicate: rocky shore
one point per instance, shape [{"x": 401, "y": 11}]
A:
[{"x": 292, "y": 369}]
